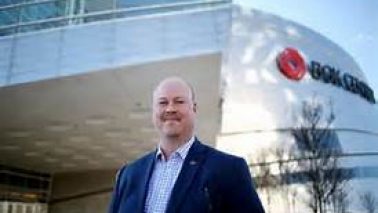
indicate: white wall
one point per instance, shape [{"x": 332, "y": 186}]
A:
[{"x": 95, "y": 46}]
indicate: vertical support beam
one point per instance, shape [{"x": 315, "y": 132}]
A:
[{"x": 70, "y": 10}]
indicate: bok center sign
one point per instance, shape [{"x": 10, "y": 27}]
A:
[{"x": 292, "y": 65}]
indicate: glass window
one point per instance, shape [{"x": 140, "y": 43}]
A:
[
  {"x": 36, "y": 11},
  {"x": 135, "y": 3},
  {"x": 43, "y": 11},
  {"x": 98, "y": 5},
  {"x": 41, "y": 26},
  {"x": 9, "y": 16},
  {"x": 91, "y": 6},
  {"x": 9, "y": 2}
]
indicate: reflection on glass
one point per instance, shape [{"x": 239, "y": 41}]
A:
[
  {"x": 9, "y": 16},
  {"x": 9, "y": 2},
  {"x": 98, "y": 5},
  {"x": 8, "y": 31},
  {"x": 138, "y": 3},
  {"x": 30, "y": 15},
  {"x": 43, "y": 11},
  {"x": 41, "y": 26}
]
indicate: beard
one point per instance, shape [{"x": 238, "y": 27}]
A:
[{"x": 171, "y": 129}]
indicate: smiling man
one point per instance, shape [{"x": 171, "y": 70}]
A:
[{"x": 183, "y": 175}]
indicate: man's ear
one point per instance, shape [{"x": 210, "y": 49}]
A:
[{"x": 195, "y": 107}]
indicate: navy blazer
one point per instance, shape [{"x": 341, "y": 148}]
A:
[{"x": 209, "y": 181}]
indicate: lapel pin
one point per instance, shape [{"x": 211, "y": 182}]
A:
[{"x": 192, "y": 162}]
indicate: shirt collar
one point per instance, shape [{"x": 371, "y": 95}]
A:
[{"x": 182, "y": 151}]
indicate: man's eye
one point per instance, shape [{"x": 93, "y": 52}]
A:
[
  {"x": 180, "y": 101},
  {"x": 163, "y": 103}
]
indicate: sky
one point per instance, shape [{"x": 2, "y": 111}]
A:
[{"x": 352, "y": 24}]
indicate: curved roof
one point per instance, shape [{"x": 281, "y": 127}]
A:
[
  {"x": 266, "y": 25},
  {"x": 258, "y": 97}
]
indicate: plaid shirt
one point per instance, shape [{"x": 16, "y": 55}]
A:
[{"x": 163, "y": 178}]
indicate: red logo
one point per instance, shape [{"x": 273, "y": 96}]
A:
[{"x": 291, "y": 64}]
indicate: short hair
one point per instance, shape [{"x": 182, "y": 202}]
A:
[{"x": 176, "y": 78}]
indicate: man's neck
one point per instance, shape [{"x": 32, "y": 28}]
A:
[{"x": 168, "y": 145}]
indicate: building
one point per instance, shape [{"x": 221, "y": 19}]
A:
[
  {"x": 76, "y": 78},
  {"x": 272, "y": 66}
]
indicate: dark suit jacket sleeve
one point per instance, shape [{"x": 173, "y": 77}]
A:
[
  {"x": 242, "y": 197},
  {"x": 116, "y": 196}
]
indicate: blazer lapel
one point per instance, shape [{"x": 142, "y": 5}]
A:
[
  {"x": 145, "y": 179},
  {"x": 192, "y": 163}
]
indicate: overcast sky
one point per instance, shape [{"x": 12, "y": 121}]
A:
[{"x": 352, "y": 24}]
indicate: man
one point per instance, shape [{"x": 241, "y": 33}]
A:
[{"x": 183, "y": 175}]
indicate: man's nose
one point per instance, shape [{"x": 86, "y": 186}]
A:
[{"x": 171, "y": 107}]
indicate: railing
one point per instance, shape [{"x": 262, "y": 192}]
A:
[
  {"x": 87, "y": 17},
  {"x": 16, "y": 207}
]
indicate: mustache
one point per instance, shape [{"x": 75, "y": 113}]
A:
[{"x": 170, "y": 116}]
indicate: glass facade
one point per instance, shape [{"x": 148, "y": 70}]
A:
[
  {"x": 26, "y": 16},
  {"x": 17, "y": 16}
]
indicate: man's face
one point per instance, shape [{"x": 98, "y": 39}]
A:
[{"x": 173, "y": 109}]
